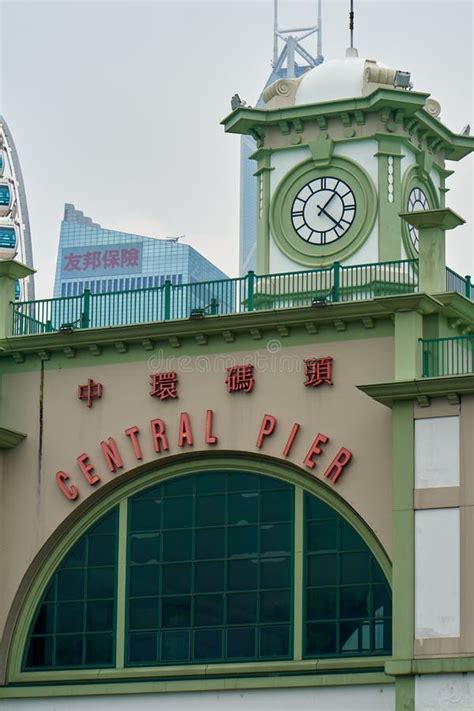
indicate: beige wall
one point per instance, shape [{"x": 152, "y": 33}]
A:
[{"x": 31, "y": 506}]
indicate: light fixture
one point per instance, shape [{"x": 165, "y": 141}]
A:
[
  {"x": 197, "y": 314},
  {"x": 319, "y": 301},
  {"x": 402, "y": 80},
  {"x": 66, "y": 328},
  {"x": 235, "y": 102}
]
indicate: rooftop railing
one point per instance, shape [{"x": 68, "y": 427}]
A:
[
  {"x": 227, "y": 296},
  {"x": 447, "y": 356}
]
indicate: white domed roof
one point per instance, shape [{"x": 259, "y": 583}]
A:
[{"x": 332, "y": 80}]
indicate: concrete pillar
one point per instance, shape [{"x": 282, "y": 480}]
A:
[
  {"x": 432, "y": 226},
  {"x": 10, "y": 272}
]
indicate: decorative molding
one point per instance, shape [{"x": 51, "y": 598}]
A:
[{"x": 10, "y": 438}]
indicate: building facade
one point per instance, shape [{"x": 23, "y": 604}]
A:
[{"x": 270, "y": 507}]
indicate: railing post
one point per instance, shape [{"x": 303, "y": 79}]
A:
[
  {"x": 467, "y": 285},
  {"x": 86, "y": 309},
  {"x": 213, "y": 305},
  {"x": 336, "y": 288},
  {"x": 250, "y": 290},
  {"x": 425, "y": 359},
  {"x": 167, "y": 300}
]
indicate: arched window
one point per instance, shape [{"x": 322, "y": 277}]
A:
[{"x": 208, "y": 568}]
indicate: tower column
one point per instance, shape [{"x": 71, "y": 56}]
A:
[
  {"x": 390, "y": 197},
  {"x": 10, "y": 272}
]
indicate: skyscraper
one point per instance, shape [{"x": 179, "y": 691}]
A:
[{"x": 291, "y": 62}]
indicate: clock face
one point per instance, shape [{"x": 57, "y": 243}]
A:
[
  {"x": 323, "y": 210},
  {"x": 417, "y": 200}
]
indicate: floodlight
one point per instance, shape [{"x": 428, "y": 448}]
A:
[{"x": 402, "y": 80}]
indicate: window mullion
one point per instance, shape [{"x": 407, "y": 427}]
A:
[
  {"x": 298, "y": 574},
  {"x": 121, "y": 585}
]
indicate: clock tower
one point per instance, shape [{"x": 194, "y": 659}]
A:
[{"x": 341, "y": 152}]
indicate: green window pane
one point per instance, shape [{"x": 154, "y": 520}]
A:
[
  {"x": 321, "y": 604},
  {"x": 101, "y": 550},
  {"x": 243, "y": 482},
  {"x": 146, "y": 515},
  {"x": 70, "y": 617},
  {"x": 322, "y": 569},
  {"x": 242, "y": 574},
  {"x": 175, "y": 646},
  {"x": 144, "y": 614},
  {"x": 242, "y": 608},
  {"x": 322, "y": 536},
  {"x": 241, "y": 642},
  {"x": 44, "y": 623},
  {"x": 211, "y": 483},
  {"x": 40, "y": 653},
  {"x": 177, "y": 578},
  {"x": 77, "y": 557},
  {"x": 99, "y": 649},
  {"x": 350, "y": 539},
  {"x": 276, "y": 538},
  {"x": 145, "y": 548},
  {"x": 317, "y": 509},
  {"x": 178, "y": 512},
  {"x": 144, "y": 580},
  {"x": 208, "y": 610},
  {"x": 383, "y": 635},
  {"x": 210, "y": 543},
  {"x": 275, "y": 641},
  {"x": 70, "y": 584},
  {"x": 101, "y": 583},
  {"x": 176, "y": 611},
  {"x": 209, "y": 576},
  {"x": 100, "y": 616},
  {"x": 243, "y": 540},
  {"x": 243, "y": 507},
  {"x": 277, "y": 506},
  {"x": 177, "y": 545},
  {"x": 321, "y": 638},
  {"x": 355, "y": 601},
  {"x": 143, "y": 647},
  {"x": 275, "y": 573},
  {"x": 275, "y": 606},
  {"x": 208, "y": 644},
  {"x": 107, "y": 524},
  {"x": 178, "y": 487},
  {"x": 355, "y": 636},
  {"x": 69, "y": 650},
  {"x": 382, "y": 601},
  {"x": 355, "y": 568},
  {"x": 210, "y": 510}
]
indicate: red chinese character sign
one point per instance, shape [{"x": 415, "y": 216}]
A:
[
  {"x": 240, "y": 378},
  {"x": 318, "y": 371},
  {"x": 164, "y": 385},
  {"x": 122, "y": 259},
  {"x": 89, "y": 392}
]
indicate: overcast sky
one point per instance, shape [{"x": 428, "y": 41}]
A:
[{"x": 115, "y": 106}]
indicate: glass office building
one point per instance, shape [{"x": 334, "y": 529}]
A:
[{"x": 95, "y": 258}]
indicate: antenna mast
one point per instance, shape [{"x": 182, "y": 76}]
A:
[
  {"x": 292, "y": 46},
  {"x": 351, "y": 23}
]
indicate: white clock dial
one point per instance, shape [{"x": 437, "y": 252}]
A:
[
  {"x": 417, "y": 200},
  {"x": 323, "y": 210}
]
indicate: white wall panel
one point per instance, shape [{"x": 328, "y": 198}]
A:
[
  {"x": 437, "y": 576},
  {"x": 442, "y": 692},
  {"x": 355, "y": 698},
  {"x": 437, "y": 452}
]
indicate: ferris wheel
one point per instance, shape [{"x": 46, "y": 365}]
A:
[{"x": 15, "y": 235}]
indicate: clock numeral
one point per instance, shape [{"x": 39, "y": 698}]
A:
[
  {"x": 349, "y": 207},
  {"x": 348, "y": 193},
  {"x": 322, "y": 237},
  {"x": 297, "y": 214},
  {"x": 323, "y": 183}
]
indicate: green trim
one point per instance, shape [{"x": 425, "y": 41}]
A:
[
  {"x": 263, "y": 205},
  {"x": 10, "y": 438},
  {"x": 405, "y": 694},
  {"x": 390, "y": 393},
  {"x": 284, "y": 234},
  {"x": 440, "y": 665},
  {"x": 389, "y": 226},
  {"x": 86, "y": 514},
  {"x": 403, "y": 587},
  {"x": 408, "y": 331},
  {"x": 144, "y": 687},
  {"x": 412, "y": 179},
  {"x": 121, "y": 584},
  {"x": 298, "y": 590}
]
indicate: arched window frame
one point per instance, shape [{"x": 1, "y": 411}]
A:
[{"x": 117, "y": 494}]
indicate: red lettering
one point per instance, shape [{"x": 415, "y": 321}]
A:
[
  {"x": 71, "y": 492},
  {"x": 111, "y": 455},
  {"x": 315, "y": 450},
  {"x": 210, "y": 438},
  {"x": 341, "y": 460},
  {"x": 86, "y": 468},
  {"x": 185, "y": 435},
  {"x": 158, "y": 431},
  {"x": 266, "y": 429},
  {"x": 294, "y": 431},
  {"x": 132, "y": 432}
]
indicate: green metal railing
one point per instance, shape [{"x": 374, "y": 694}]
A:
[
  {"x": 455, "y": 282},
  {"x": 447, "y": 356},
  {"x": 227, "y": 296}
]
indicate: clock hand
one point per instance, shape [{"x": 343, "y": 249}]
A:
[{"x": 321, "y": 209}]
